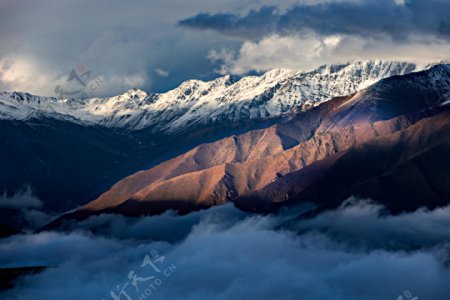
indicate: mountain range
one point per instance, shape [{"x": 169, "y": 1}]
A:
[
  {"x": 195, "y": 103},
  {"x": 387, "y": 142},
  {"x": 70, "y": 151}
]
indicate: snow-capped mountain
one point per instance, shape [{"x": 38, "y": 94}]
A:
[{"x": 220, "y": 101}]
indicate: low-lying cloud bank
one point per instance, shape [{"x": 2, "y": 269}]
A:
[
  {"x": 23, "y": 209},
  {"x": 355, "y": 252},
  {"x": 22, "y": 199}
]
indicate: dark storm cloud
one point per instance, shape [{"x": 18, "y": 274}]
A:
[
  {"x": 246, "y": 257},
  {"x": 398, "y": 19},
  {"x": 253, "y": 25}
]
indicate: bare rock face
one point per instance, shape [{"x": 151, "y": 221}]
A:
[
  {"x": 404, "y": 169},
  {"x": 389, "y": 142}
]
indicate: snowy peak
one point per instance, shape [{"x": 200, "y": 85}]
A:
[
  {"x": 223, "y": 101},
  {"x": 135, "y": 93},
  {"x": 364, "y": 73}
]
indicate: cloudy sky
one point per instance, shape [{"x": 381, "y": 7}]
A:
[{"x": 155, "y": 45}]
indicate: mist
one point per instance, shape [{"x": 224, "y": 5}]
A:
[{"x": 227, "y": 254}]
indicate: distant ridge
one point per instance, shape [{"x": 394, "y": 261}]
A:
[{"x": 219, "y": 102}]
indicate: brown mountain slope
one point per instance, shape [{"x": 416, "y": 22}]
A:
[
  {"x": 246, "y": 147},
  {"x": 326, "y": 168},
  {"x": 404, "y": 170}
]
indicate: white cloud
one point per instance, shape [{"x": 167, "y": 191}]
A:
[
  {"x": 223, "y": 57},
  {"x": 309, "y": 50},
  {"x": 275, "y": 51},
  {"x": 22, "y": 199},
  {"x": 22, "y": 73},
  {"x": 162, "y": 73}
]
